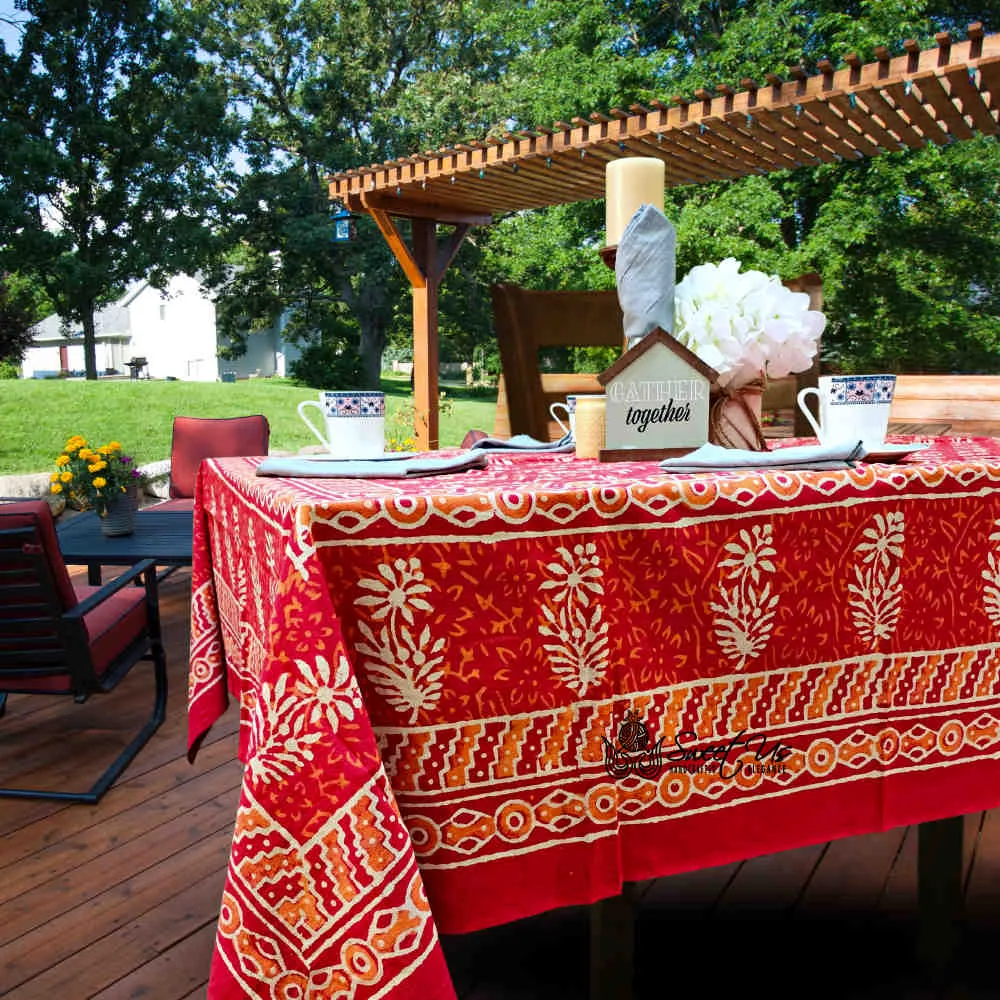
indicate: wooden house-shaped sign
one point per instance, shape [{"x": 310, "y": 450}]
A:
[{"x": 658, "y": 398}]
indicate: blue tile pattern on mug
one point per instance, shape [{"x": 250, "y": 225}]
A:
[
  {"x": 856, "y": 389},
  {"x": 354, "y": 404}
]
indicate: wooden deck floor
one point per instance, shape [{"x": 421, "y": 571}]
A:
[{"x": 120, "y": 900}]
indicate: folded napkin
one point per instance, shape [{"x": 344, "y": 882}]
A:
[
  {"x": 644, "y": 274},
  {"x": 390, "y": 467},
  {"x": 806, "y": 456},
  {"x": 524, "y": 442}
]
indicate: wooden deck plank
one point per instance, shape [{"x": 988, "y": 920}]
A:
[
  {"x": 90, "y": 846},
  {"x": 169, "y": 976},
  {"x": 91, "y": 965}
]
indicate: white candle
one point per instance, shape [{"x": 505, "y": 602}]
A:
[{"x": 631, "y": 182}]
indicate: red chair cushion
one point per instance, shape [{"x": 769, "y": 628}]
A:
[
  {"x": 178, "y": 503},
  {"x": 37, "y": 514},
  {"x": 111, "y": 626},
  {"x": 198, "y": 438}
]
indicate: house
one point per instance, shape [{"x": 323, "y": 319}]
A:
[
  {"x": 173, "y": 329},
  {"x": 658, "y": 398}
]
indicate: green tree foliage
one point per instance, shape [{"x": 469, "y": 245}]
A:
[
  {"x": 322, "y": 86},
  {"x": 19, "y": 311},
  {"x": 907, "y": 243},
  {"x": 112, "y": 137}
]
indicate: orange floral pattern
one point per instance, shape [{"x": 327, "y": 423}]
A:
[{"x": 426, "y": 672}]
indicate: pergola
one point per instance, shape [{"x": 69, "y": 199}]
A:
[{"x": 938, "y": 95}]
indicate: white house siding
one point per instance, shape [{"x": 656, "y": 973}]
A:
[{"x": 175, "y": 331}]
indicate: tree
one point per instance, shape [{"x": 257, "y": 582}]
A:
[
  {"x": 18, "y": 314},
  {"x": 320, "y": 86},
  {"x": 115, "y": 140},
  {"x": 907, "y": 243}
]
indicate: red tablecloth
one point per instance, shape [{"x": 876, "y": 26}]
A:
[{"x": 437, "y": 672}]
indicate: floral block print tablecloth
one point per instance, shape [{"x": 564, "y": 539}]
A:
[{"x": 466, "y": 699}]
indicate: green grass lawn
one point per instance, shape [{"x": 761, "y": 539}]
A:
[{"x": 38, "y": 415}]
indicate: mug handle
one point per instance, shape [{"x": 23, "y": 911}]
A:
[
  {"x": 801, "y": 400},
  {"x": 555, "y": 416},
  {"x": 312, "y": 402}
]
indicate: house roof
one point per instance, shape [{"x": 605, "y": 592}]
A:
[
  {"x": 659, "y": 336},
  {"x": 937, "y": 95}
]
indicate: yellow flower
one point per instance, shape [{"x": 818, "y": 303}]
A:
[
  {"x": 55, "y": 488},
  {"x": 85, "y": 453},
  {"x": 66, "y": 477},
  {"x": 62, "y": 460},
  {"x": 97, "y": 466},
  {"x": 103, "y": 450},
  {"x": 100, "y": 481},
  {"x": 115, "y": 446}
]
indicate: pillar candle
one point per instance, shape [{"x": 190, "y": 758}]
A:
[{"x": 631, "y": 182}]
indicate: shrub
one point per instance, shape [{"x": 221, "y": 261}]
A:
[
  {"x": 9, "y": 369},
  {"x": 328, "y": 366}
]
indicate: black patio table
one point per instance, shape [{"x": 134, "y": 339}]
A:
[{"x": 163, "y": 535}]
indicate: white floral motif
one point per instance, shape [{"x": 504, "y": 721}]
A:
[
  {"x": 403, "y": 664},
  {"x": 745, "y": 610},
  {"x": 279, "y": 742},
  {"x": 877, "y": 589},
  {"x": 991, "y": 592},
  {"x": 332, "y": 697},
  {"x": 579, "y": 657}
]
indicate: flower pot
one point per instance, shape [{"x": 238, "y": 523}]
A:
[
  {"x": 119, "y": 519},
  {"x": 735, "y": 418}
]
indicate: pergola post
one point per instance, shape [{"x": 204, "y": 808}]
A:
[{"x": 424, "y": 265}]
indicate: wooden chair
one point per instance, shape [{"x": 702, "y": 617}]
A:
[
  {"x": 61, "y": 639},
  {"x": 197, "y": 438},
  {"x": 528, "y": 320}
]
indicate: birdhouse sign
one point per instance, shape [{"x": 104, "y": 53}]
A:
[{"x": 658, "y": 397}]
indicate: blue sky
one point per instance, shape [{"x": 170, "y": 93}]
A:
[{"x": 7, "y": 34}]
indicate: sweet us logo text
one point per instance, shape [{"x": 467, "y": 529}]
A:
[{"x": 633, "y": 752}]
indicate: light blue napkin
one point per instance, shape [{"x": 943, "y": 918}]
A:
[
  {"x": 397, "y": 466},
  {"x": 806, "y": 456},
  {"x": 525, "y": 442}
]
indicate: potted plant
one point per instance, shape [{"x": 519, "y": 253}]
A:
[{"x": 103, "y": 479}]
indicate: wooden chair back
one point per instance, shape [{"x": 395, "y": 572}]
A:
[{"x": 528, "y": 320}]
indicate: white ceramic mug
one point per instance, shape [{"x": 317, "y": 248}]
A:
[
  {"x": 355, "y": 423},
  {"x": 851, "y": 407},
  {"x": 570, "y": 408}
]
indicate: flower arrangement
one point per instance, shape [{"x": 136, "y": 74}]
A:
[
  {"x": 94, "y": 478},
  {"x": 745, "y": 324}
]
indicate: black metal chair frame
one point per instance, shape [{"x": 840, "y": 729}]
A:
[{"x": 44, "y": 617}]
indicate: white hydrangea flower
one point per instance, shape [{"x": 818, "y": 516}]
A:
[{"x": 745, "y": 323}]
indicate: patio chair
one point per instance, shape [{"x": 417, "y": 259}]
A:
[
  {"x": 57, "y": 638},
  {"x": 198, "y": 438}
]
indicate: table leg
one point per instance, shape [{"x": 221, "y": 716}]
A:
[
  {"x": 612, "y": 945},
  {"x": 939, "y": 891},
  {"x": 94, "y": 574}
]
